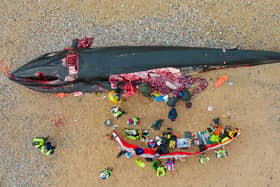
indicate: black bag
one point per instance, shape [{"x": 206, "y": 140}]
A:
[
  {"x": 171, "y": 102},
  {"x": 157, "y": 124}
]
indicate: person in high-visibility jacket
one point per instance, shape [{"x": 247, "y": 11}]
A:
[
  {"x": 38, "y": 142},
  {"x": 132, "y": 134},
  {"x": 105, "y": 174},
  {"x": 161, "y": 171},
  {"x": 117, "y": 112},
  {"x": 133, "y": 121},
  {"x": 221, "y": 153},
  {"x": 48, "y": 149},
  {"x": 203, "y": 158},
  {"x": 115, "y": 97}
]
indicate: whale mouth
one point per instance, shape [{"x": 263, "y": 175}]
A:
[
  {"x": 37, "y": 79},
  {"x": 41, "y": 77}
]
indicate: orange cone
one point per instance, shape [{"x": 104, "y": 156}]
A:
[
  {"x": 221, "y": 81},
  {"x": 61, "y": 95}
]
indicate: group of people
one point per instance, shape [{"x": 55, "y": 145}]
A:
[
  {"x": 134, "y": 134},
  {"x": 47, "y": 148},
  {"x": 43, "y": 145},
  {"x": 221, "y": 153}
]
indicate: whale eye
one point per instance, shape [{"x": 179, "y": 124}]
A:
[
  {"x": 50, "y": 54},
  {"x": 47, "y": 56}
]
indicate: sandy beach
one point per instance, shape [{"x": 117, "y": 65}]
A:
[{"x": 31, "y": 28}]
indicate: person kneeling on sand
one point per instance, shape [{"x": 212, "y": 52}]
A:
[
  {"x": 42, "y": 143},
  {"x": 203, "y": 158},
  {"x": 48, "y": 149},
  {"x": 38, "y": 142},
  {"x": 221, "y": 153},
  {"x": 117, "y": 112},
  {"x": 105, "y": 174}
]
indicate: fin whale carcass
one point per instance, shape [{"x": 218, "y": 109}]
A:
[{"x": 88, "y": 69}]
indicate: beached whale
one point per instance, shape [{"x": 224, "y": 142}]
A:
[{"x": 88, "y": 69}]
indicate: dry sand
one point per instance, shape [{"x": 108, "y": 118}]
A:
[{"x": 30, "y": 28}]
